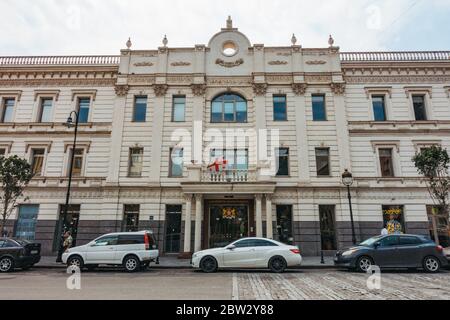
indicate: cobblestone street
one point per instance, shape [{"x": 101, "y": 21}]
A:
[
  {"x": 311, "y": 284},
  {"x": 340, "y": 285}
]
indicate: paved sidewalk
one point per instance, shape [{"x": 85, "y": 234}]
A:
[{"x": 172, "y": 262}]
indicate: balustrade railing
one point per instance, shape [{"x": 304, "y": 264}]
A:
[
  {"x": 396, "y": 56},
  {"x": 232, "y": 175},
  {"x": 60, "y": 60}
]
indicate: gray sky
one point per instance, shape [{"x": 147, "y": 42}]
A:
[{"x": 54, "y": 27}]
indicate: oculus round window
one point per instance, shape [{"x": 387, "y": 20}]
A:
[{"x": 229, "y": 49}]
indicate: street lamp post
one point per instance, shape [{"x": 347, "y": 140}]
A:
[
  {"x": 347, "y": 180},
  {"x": 69, "y": 124}
]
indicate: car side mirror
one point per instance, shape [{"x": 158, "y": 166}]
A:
[
  {"x": 376, "y": 245},
  {"x": 231, "y": 247}
]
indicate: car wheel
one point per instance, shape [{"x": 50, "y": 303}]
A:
[
  {"x": 431, "y": 264},
  {"x": 6, "y": 264},
  {"x": 75, "y": 261},
  {"x": 208, "y": 264},
  {"x": 277, "y": 264},
  {"x": 364, "y": 263},
  {"x": 131, "y": 264}
]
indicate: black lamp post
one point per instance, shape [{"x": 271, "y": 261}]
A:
[
  {"x": 347, "y": 180},
  {"x": 69, "y": 124}
]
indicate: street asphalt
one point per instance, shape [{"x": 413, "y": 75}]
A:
[{"x": 181, "y": 284}]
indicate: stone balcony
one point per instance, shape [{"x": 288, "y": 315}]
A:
[{"x": 233, "y": 175}]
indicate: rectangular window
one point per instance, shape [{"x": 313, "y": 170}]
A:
[
  {"x": 178, "y": 108},
  {"x": 235, "y": 159},
  {"x": 282, "y": 157},
  {"x": 379, "y": 108},
  {"x": 77, "y": 162},
  {"x": 279, "y": 108},
  {"x": 284, "y": 224},
  {"x": 26, "y": 222},
  {"x": 323, "y": 161},
  {"x": 135, "y": 162},
  {"x": 83, "y": 109},
  {"x": 130, "y": 218},
  {"x": 393, "y": 219},
  {"x": 45, "y": 110},
  {"x": 2, "y": 152},
  {"x": 37, "y": 161},
  {"x": 327, "y": 228},
  {"x": 176, "y": 162},
  {"x": 419, "y": 107},
  {"x": 8, "y": 110},
  {"x": 318, "y": 108},
  {"x": 386, "y": 163},
  {"x": 140, "y": 109}
]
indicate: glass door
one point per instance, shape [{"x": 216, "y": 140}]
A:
[
  {"x": 227, "y": 224},
  {"x": 173, "y": 229}
]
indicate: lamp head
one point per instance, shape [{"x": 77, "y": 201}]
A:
[{"x": 347, "y": 178}]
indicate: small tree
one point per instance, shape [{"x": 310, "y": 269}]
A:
[
  {"x": 15, "y": 174},
  {"x": 433, "y": 163}
]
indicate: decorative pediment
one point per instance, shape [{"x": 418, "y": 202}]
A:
[{"x": 11, "y": 93}]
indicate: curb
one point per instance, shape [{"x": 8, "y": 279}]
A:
[{"x": 310, "y": 267}]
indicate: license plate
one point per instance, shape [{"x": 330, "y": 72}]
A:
[{"x": 34, "y": 251}]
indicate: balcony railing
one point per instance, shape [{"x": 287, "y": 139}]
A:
[
  {"x": 60, "y": 60},
  {"x": 232, "y": 175},
  {"x": 396, "y": 56}
]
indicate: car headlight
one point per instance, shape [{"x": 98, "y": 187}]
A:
[{"x": 349, "y": 253}]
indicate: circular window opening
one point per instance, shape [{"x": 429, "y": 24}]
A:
[{"x": 229, "y": 49}]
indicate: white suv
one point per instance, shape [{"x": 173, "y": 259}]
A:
[{"x": 132, "y": 250}]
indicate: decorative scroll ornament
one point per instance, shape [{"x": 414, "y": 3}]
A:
[
  {"x": 299, "y": 88},
  {"x": 338, "y": 88},
  {"x": 160, "y": 89},
  {"x": 180, "y": 64},
  {"x": 143, "y": 64},
  {"x": 316, "y": 62},
  {"x": 198, "y": 89},
  {"x": 277, "y": 62},
  {"x": 229, "y": 213},
  {"x": 229, "y": 64},
  {"x": 260, "y": 88},
  {"x": 121, "y": 89}
]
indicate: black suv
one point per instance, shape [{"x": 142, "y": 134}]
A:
[{"x": 18, "y": 254}]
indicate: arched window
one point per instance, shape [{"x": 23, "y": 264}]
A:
[{"x": 229, "y": 107}]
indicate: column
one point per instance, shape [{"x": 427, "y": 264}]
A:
[
  {"x": 198, "y": 223},
  {"x": 258, "y": 216},
  {"x": 269, "y": 219},
  {"x": 187, "y": 224}
]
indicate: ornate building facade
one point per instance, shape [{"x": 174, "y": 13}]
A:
[{"x": 150, "y": 155}]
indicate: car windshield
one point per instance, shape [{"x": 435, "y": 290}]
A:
[
  {"x": 21, "y": 242},
  {"x": 370, "y": 242}
]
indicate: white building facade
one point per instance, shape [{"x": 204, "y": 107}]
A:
[{"x": 208, "y": 144}]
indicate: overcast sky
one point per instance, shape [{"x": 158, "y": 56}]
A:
[{"x": 54, "y": 27}]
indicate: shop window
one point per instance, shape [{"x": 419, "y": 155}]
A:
[
  {"x": 438, "y": 226},
  {"x": 130, "y": 218},
  {"x": 394, "y": 219},
  {"x": 26, "y": 222},
  {"x": 284, "y": 224}
]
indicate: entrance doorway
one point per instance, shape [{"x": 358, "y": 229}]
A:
[
  {"x": 70, "y": 221},
  {"x": 227, "y": 223},
  {"x": 173, "y": 229}
]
